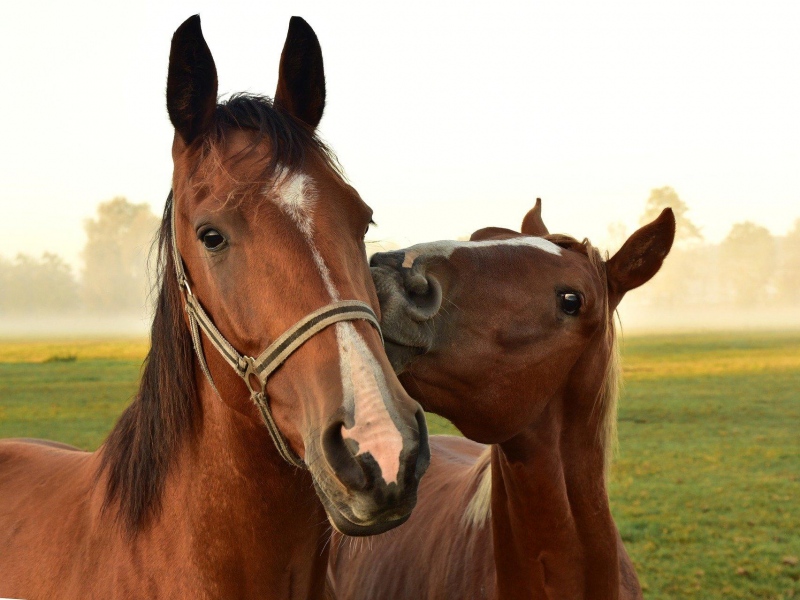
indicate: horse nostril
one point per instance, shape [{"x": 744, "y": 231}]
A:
[
  {"x": 423, "y": 447},
  {"x": 424, "y": 295},
  {"x": 417, "y": 284},
  {"x": 341, "y": 458}
]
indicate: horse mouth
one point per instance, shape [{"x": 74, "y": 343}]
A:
[
  {"x": 348, "y": 524},
  {"x": 345, "y": 526}
]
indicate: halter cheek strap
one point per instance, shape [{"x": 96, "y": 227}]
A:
[{"x": 256, "y": 371}]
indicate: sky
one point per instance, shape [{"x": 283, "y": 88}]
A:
[{"x": 447, "y": 116}]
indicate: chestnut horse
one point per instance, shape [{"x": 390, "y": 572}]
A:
[
  {"x": 511, "y": 337},
  {"x": 191, "y": 496}
]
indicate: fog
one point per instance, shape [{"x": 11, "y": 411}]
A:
[{"x": 750, "y": 280}]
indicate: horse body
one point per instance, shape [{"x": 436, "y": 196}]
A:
[
  {"x": 459, "y": 515},
  {"x": 512, "y": 339},
  {"x": 191, "y": 496}
]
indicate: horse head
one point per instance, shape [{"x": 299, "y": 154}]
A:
[
  {"x": 531, "y": 309},
  {"x": 266, "y": 232}
]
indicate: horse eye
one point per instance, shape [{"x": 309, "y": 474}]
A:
[
  {"x": 570, "y": 302},
  {"x": 212, "y": 239}
]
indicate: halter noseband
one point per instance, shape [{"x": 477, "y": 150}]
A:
[{"x": 256, "y": 371}]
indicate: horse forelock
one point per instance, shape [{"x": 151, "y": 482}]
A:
[
  {"x": 141, "y": 447},
  {"x": 278, "y": 144}
]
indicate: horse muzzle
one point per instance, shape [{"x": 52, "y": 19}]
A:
[
  {"x": 352, "y": 486},
  {"x": 410, "y": 300}
]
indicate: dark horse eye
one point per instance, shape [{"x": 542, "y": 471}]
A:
[
  {"x": 570, "y": 302},
  {"x": 212, "y": 239}
]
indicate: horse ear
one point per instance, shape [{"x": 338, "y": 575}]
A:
[
  {"x": 532, "y": 224},
  {"x": 191, "y": 82},
  {"x": 301, "y": 78},
  {"x": 641, "y": 256}
]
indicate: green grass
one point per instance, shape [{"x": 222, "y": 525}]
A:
[{"x": 706, "y": 489}]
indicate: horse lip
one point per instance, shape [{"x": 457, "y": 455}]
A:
[
  {"x": 371, "y": 527},
  {"x": 383, "y": 522}
]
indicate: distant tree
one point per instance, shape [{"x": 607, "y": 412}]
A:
[
  {"x": 747, "y": 258},
  {"x": 666, "y": 197},
  {"x": 788, "y": 280},
  {"x": 115, "y": 256},
  {"x": 30, "y": 285}
]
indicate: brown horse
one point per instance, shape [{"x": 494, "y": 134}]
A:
[
  {"x": 192, "y": 496},
  {"x": 511, "y": 337}
]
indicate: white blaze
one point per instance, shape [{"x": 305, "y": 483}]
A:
[
  {"x": 364, "y": 387},
  {"x": 446, "y": 247}
]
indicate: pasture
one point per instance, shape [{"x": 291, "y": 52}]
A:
[{"x": 705, "y": 490}]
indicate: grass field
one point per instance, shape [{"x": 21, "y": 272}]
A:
[{"x": 706, "y": 489}]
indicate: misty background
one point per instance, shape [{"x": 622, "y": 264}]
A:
[
  {"x": 447, "y": 116},
  {"x": 750, "y": 279}
]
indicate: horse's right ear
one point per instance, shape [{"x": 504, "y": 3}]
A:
[
  {"x": 532, "y": 224},
  {"x": 301, "y": 77},
  {"x": 191, "y": 82},
  {"x": 641, "y": 256}
]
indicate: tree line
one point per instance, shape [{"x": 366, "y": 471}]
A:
[
  {"x": 749, "y": 268},
  {"x": 114, "y": 279}
]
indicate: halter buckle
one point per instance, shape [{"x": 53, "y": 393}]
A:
[
  {"x": 184, "y": 283},
  {"x": 246, "y": 368}
]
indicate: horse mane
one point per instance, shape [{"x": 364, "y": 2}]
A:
[
  {"x": 479, "y": 508},
  {"x": 142, "y": 446},
  {"x": 608, "y": 398},
  {"x": 291, "y": 141}
]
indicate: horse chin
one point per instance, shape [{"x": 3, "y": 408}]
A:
[
  {"x": 347, "y": 527},
  {"x": 345, "y": 522}
]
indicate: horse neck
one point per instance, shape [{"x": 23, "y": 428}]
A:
[
  {"x": 552, "y": 528},
  {"x": 251, "y": 520}
]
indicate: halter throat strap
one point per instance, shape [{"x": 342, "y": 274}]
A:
[{"x": 256, "y": 371}]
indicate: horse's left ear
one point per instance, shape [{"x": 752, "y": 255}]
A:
[
  {"x": 532, "y": 224},
  {"x": 301, "y": 78},
  {"x": 641, "y": 256}
]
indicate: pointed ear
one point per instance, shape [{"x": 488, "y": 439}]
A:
[
  {"x": 492, "y": 233},
  {"x": 191, "y": 82},
  {"x": 301, "y": 78},
  {"x": 532, "y": 224},
  {"x": 641, "y": 256}
]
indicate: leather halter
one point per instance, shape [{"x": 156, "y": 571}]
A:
[{"x": 256, "y": 371}]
